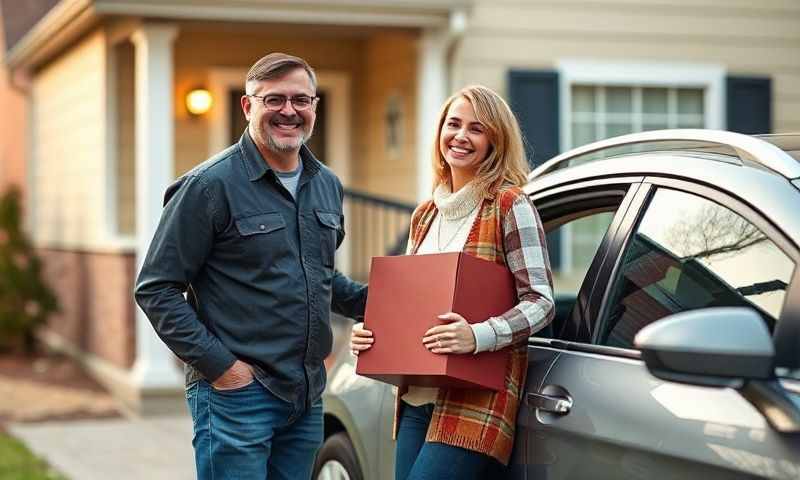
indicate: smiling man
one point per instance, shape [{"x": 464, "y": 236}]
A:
[{"x": 251, "y": 235}]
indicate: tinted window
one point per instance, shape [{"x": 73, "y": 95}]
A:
[{"x": 689, "y": 253}]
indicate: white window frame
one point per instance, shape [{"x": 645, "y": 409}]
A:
[
  {"x": 615, "y": 73},
  {"x": 709, "y": 77}
]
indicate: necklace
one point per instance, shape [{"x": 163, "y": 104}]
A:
[{"x": 458, "y": 229}]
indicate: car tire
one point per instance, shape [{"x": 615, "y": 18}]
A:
[{"x": 337, "y": 460}]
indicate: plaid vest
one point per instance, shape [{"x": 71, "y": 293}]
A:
[{"x": 476, "y": 419}]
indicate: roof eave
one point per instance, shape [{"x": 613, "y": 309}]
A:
[
  {"x": 71, "y": 18},
  {"x": 65, "y": 22},
  {"x": 388, "y": 13}
]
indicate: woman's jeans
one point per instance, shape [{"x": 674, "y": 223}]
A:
[
  {"x": 246, "y": 433},
  {"x": 416, "y": 459}
]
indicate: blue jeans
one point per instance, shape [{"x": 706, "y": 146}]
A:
[
  {"x": 248, "y": 433},
  {"x": 416, "y": 459}
]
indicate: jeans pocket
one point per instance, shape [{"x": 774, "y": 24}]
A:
[{"x": 233, "y": 390}]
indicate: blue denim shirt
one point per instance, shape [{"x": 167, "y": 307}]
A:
[{"x": 257, "y": 266}]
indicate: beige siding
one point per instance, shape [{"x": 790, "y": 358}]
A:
[
  {"x": 69, "y": 150},
  {"x": 391, "y": 63},
  {"x": 125, "y": 152},
  {"x": 746, "y": 38}
]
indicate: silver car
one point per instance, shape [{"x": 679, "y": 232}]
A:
[{"x": 675, "y": 351}]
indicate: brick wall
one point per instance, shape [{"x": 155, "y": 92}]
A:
[{"x": 95, "y": 292}]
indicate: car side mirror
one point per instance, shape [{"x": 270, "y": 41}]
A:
[{"x": 722, "y": 346}]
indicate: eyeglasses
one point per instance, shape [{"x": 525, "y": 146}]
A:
[{"x": 273, "y": 103}]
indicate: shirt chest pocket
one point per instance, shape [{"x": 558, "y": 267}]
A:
[
  {"x": 262, "y": 233},
  {"x": 330, "y": 224}
]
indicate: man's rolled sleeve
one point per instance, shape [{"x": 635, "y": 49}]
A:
[{"x": 182, "y": 242}]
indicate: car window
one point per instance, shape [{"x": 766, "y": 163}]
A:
[
  {"x": 688, "y": 253},
  {"x": 572, "y": 245},
  {"x": 579, "y": 240}
]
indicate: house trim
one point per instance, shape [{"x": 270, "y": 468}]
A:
[
  {"x": 420, "y": 14},
  {"x": 70, "y": 18},
  {"x": 64, "y": 23}
]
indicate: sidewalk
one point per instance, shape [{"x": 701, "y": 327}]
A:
[
  {"x": 118, "y": 449},
  {"x": 66, "y": 418}
]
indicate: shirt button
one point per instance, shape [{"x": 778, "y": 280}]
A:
[{"x": 262, "y": 227}]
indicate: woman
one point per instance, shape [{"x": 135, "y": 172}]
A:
[{"x": 478, "y": 208}]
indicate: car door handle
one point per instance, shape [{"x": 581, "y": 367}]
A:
[{"x": 549, "y": 403}]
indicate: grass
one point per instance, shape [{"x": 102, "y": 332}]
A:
[{"x": 18, "y": 463}]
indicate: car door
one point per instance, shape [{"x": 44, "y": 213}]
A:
[
  {"x": 599, "y": 413},
  {"x": 580, "y": 219}
]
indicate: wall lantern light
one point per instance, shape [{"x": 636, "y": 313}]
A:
[{"x": 199, "y": 101}]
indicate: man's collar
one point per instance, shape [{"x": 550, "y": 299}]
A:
[{"x": 257, "y": 167}]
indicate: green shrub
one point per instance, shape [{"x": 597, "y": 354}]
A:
[{"x": 25, "y": 300}]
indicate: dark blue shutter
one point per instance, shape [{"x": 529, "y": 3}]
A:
[
  {"x": 749, "y": 104},
  {"x": 533, "y": 95}
]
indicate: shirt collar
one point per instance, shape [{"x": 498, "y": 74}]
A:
[{"x": 257, "y": 167}]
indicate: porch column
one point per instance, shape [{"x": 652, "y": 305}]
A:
[
  {"x": 431, "y": 93},
  {"x": 155, "y": 368}
]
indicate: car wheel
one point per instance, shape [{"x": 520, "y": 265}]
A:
[{"x": 337, "y": 460}]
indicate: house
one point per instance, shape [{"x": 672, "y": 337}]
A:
[{"x": 96, "y": 125}]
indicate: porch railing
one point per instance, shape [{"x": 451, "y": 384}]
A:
[{"x": 375, "y": 226}]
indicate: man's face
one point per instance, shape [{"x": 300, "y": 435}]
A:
[{"x": 284, "y": 130}]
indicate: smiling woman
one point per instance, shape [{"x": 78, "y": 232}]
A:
[{"x": 477, "y": 208}]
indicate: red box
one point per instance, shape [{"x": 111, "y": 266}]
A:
[{"x": 406, "y": 296}]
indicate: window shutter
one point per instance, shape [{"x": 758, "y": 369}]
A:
[
  {"x": 533, "y": 96},
  {"x": 749, "y": 104}
]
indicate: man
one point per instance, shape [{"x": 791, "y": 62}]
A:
[{"x": 251, "y": 235}]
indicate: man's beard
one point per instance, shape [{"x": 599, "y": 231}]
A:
[{"x": 284, "y": 147}]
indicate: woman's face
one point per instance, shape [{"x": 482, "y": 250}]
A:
[{"x": 463, "y": 141}]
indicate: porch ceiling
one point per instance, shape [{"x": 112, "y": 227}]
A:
[{"x": 70, "y": 18}]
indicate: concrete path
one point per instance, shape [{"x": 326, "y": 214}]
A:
[{"x": 118, "y": 449}]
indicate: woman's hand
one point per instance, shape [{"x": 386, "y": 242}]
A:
[
  {"x": 455, "y": 337},
  {"x": 360, "y": 339}
]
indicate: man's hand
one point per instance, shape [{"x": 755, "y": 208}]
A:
[
  {"x": 455, "y": 337},
  {"x": 238, "y": 376}
]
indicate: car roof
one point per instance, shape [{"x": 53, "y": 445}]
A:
[
  {"x": 763, "y": 189},
  {"x": 779, "y": 154}
]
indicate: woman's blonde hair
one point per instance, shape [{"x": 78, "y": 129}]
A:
[{"x": 505, "y": 163}]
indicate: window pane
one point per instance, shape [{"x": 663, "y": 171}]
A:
[
  {"x": 655, "y": 125},
  {"x": 579, "y": 239},
  {"x": 619, "y": 100},
  {"x": 583, "y": 99},
  {"x": 654, "y": 100},
  {"x": 583, "y": 133},
  {"x": 691, "y": 121},
  {"x": 690, "y": 101},
  {"x": 614, "y": 129},
  {"x": 691, "y": 253}
]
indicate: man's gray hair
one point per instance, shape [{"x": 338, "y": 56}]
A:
[{"x": 276, "y": 65}]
